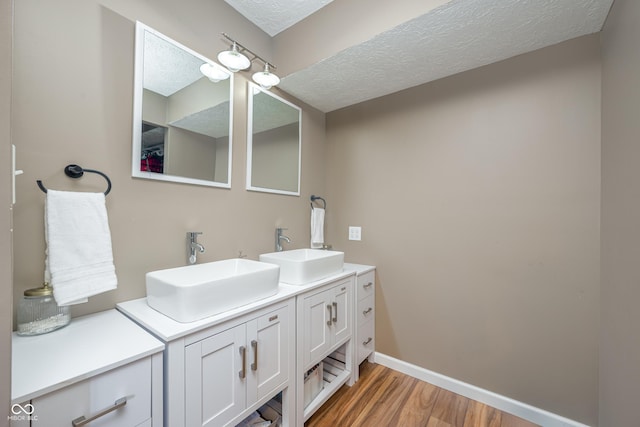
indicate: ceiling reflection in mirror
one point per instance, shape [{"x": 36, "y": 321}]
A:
[
  {"x": 274, "y": 143},
  {"x": 182, "y": 113}
]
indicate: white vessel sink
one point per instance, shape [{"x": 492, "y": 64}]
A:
[
  {"x": 191, "y": 293},
  {"x": 303, "y": 266}
]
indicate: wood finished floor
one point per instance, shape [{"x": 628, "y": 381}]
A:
[{"x": 384, "y": 397}]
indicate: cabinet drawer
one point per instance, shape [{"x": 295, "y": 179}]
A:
[
  {"x": 365, "y": 343},
  {"x": 366, "y": 310},
  {"x": 366, "y": 285},
  {"x": 86, "y": 398}
]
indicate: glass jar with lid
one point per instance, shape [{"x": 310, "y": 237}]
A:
[{"x": 38, "y": 312}]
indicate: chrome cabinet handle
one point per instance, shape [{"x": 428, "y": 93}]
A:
[
  {"x": 335, "y": 314},
  {"x": 367, "y": 285},
  {"x": 254, "y": 346},
  {"x": 367, "y": 341},
  {"x": 243, "y": 372},
  {"x": 82, "y": 421},
  {"x": 367, "y": 311},
  {"x": 330, "y": 314}
]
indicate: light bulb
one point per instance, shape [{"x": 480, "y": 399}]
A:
[
  {"x": 213, "y": 73},
  {"x": 234, "y": 60},
  {"x": 265, "y": 78}
]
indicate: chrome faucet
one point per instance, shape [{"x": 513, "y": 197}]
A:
[
  {"x": 193, "y": 245},
  {"x": 279, "y": 237}
]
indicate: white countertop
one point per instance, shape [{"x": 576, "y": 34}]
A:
[
  {"x": 168, "y": 329},
  {"x": 88, "y": 346},
  {"x": 359, "y": 269}
]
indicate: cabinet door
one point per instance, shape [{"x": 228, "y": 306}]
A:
[
  {"x": 268, "y": 340},
  {"x": 215, "y": 378},
  {"x": 316, "y": 326},
  {"x": 341, "y": 320}
]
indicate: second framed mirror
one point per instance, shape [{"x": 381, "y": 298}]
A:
[{"x": 274, "y": 143}]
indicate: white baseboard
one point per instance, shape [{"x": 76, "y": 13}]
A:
[{"x": 505, "y": 404}]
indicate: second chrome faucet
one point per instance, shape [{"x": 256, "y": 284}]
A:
[
  {"x": 279, "y": 238},
  {"x": 193, "y": 245}
]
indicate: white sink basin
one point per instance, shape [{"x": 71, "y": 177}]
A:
[
  {"x": 302, "y": 266},
  {"x": 191, "y": 293}
]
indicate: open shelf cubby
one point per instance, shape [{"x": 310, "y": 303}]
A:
[{"x": 335, "y": 374}]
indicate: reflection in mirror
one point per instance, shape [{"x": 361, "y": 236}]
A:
[
  {"x": 273, "y": 143},
  {"x": 182, "y": 116}
]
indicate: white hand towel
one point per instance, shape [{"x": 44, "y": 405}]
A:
[
  {"x": 317, "y": 228},
  {"x": 79, "y": 253}
]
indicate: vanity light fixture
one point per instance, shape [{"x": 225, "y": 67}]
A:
[
  {"x": 235, "y": 60},
  {"x": 213, "y": 73},
  {"x": 265, "y": 78}
]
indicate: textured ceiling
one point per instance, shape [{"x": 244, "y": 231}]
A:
[
  {"x": 213, "y": 121},
  {"x": 455, "y": 37},
  {"x": 269, "y": 113},
  {"x": 274, "y": 16},
  {"x": 167, "y": 67}
]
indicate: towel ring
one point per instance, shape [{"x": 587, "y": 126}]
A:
[
  {"x": 75, "y": 171},
  {"x": 314, "y": 198}
]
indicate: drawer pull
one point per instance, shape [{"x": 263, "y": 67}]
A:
[
  {"x": 81, "y": 421},
  {"x": 367, "y": 341},
  {"x": 254, "y": 365},
  {"x": 335, "y": 314},
  {"x": 272, "y": 318},
  {"x": 367, "y": 311},
  {"x": 367, "y": 285},
  {"x": 330, "y": 314},
  {"x": 243, "y": 372}
]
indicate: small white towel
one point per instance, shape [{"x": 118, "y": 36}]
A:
[
  {"x": 317, "y": 228},
  {"x": 79, "y": 254}
]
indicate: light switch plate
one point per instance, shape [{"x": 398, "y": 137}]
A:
[{"x": 355, "y": 233}]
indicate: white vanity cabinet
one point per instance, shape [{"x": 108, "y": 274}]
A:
[
  {"x": 325, "y": 326},
  {"x": 221, "y": 369},
  {"x": 102, "y": 368},
  {"x": 325, "y": 321},
  {"x": 233, "y": 370}
]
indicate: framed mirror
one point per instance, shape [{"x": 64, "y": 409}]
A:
[
  {"x": 273, "y": 143},
  {"x": 182, "y": 115}
]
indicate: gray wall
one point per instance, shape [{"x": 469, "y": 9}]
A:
[
  {"x": 80, "y": 111},
  {"x": 6, "y": 290},
  {"x": 620, "y": 336},
  {"x": 479, "y": 200}
]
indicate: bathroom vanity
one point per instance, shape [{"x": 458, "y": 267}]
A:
[
  {"x": 100, "y": 366},
  {"x": 220, "y": 369},
  {"x": 261, "y": 351}
]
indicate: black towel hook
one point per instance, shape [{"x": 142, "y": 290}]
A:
[
  {"x": 314, "y": 198},
  {"x": 75, "y": 171}
]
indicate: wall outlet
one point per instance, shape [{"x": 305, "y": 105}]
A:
[{"x": 355, "y": 233}]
